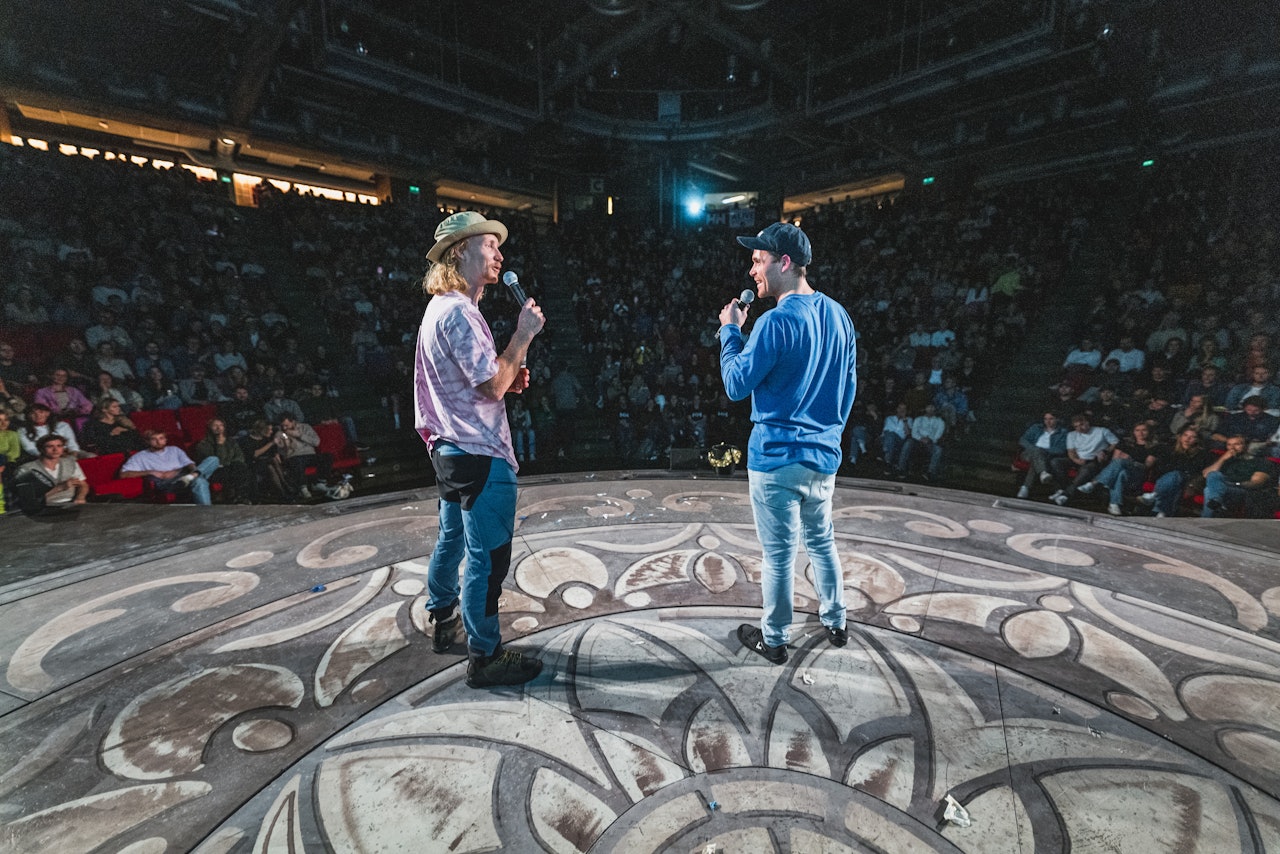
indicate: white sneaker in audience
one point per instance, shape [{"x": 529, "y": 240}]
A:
[
  {"x": 1114, "y": 510},
  {"x": 1023, "y": 492}
]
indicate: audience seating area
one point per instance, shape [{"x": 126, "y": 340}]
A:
[{"x": 110, "y": 268}]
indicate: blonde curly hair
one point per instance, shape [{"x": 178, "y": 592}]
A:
[{"x": 444, "y": 276}]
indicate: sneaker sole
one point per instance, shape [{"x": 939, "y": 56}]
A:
[{"x": 479, "y": 682}]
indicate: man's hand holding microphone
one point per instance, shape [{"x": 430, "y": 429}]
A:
[
  {"x": 735, "y": 313},
  {"x": 528, "y": 324}
]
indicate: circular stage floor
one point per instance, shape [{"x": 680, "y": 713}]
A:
[{"x": 261, "y": 679}]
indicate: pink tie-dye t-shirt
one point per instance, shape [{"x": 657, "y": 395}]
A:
[{"x": 454, "y": 355}]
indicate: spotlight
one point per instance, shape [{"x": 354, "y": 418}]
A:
[
  {"x": 693, "y": 205},
  {"x": 361, "y": 50}
]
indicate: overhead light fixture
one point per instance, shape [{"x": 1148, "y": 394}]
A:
[
  {"x": 728, "y": 200},
  {"x": 226, "y": 140}
]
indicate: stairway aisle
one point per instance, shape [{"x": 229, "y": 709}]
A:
[{"x": 981, "y": 459}]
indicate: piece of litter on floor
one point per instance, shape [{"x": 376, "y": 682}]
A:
[
  {"x": 806, "y": 678},
  {"x": 713, "y": 806},
  {"x": 711, "y": 848},
  {"x": 319, "y": 588},
  {"x": 522, "y": 518},
  {"x": 637, "y": 642},
  {"x": 1057, "y": 710},
  {"x": 1096, "y": 733},
  {"x": 956, "y": 814}
]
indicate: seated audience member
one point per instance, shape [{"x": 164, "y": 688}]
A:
[
  {"x": 262, "y": 454},
  {"x": 198, "y": 389},
  {"x": 1131, "y": 359},
  {"x": 65, "y": 401},
  {"x": 240, "y": 412},
  {"x": 926, "y": 438},
  {"x": 233, "y": 471},
  {"x": 299, "y": 445},
  {"x": 1176, "y": 467},
  {"x": 152, "y": 357},
  {"x": 1173, "y": 357},
  {"x": 1260, "y": 385},
  {"x": 1042, "y": 443},
  {"x": 1208, "y": 385},
  {"x": 11, "y": 404},
  {"x": 1157, "y": 414},
  {"x": 1084, "y": 358},
  {"x": 1207, "y": 355},
  {"x": 864, "y": 429},
  {"x": 192, "y": 352},
  {"x": 1109, "y": 410},
  {"x": 108, "y": 431},
  {"x": 170, "y": 469},
  {"x": 80, "y": 363},
  {"x": 13, "y": 372},
  {"x": 1127, "y": 471},
  {"x": 1198, "y": 415},
  {"x": 1234, "y": 479},
  {"x": 10, "y": 453},
  {"x": 1088, "y": 449},
  {"x": 522, "y": 435},
  {"x": 129, "y": 399},
  {"x": 894, "y": 435},
  {"x": 107, "y": 331},
  {"x": 41, "y": 422},
  {"x": 1160, "y": 383},
  {"x": 158, "y": 391},
  {"x": 228, "y": 357},
  {"x": 919, "y": 395},
  {"x": 1111, "y": 375},
  {"x": 952, "y": 404},
  {"x": 111, "y": 363},
  {"x": 321, "y": 407},
  {"x": 1252, "y": 422},
  {"x": 24, "y": 309},
  {"x": 53, "y": 479},
  {"x": 279, "y": 406},
  {"x": 1065, "y": 403}
]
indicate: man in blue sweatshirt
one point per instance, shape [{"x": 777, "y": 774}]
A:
[{"x": 798, "y": 367}]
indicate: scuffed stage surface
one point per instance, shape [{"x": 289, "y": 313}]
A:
[{"x": 254, "y": 679}]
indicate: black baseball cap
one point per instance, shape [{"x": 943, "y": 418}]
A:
[{"x": 782, "y": 238}]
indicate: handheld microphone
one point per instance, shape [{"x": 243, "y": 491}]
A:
[
  {"x": 746, "y": 298},
  {"x": 512, "y": 281}
]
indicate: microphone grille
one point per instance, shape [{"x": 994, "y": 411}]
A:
[
  {"x": 747, "y": 296},
  {"x": 510, "y": 278}
]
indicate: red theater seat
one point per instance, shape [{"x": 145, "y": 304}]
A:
[
  {"x": 101, "y": 472},
  {"x": 164, "y": 420},
  {"x": 334, "y": 441},
  {"x": 194, "y": 418}
]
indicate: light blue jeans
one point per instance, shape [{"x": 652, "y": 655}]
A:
[
  {"x": 481, "y": 534},
  {"x": 200, "y": 492},
  {"x": 787, "y": 503},
  {"x": 1118, "y": 477}
]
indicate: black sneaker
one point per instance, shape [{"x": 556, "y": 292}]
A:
[
  {"x": 838, "y": 637},
  {"x": 504, "y": 667},
  {"x": 753, "y": 639},
  {"x": 446, "y": 622}
]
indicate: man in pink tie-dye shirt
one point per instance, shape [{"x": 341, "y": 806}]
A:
[{"x": 458, "y": 390}]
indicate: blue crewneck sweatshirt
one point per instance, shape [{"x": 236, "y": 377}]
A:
[{"x": 799, "y": 368}]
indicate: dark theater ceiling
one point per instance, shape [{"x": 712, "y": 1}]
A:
[{"x": 790, "y": 94}]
